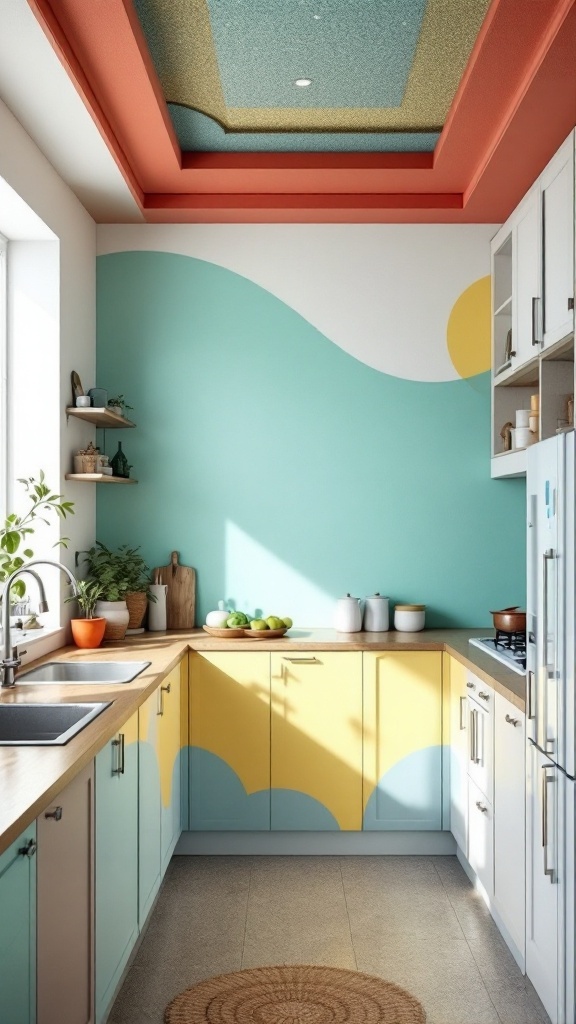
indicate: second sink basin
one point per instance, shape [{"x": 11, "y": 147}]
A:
[
  {"x": 84, "y": 672},
  {"x": 44, "y": 724}
]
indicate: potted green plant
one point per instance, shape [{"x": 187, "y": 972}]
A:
[
  {"x": 120, "y": 573},
  {"x": 87, "y": 632},
  {"x": 118, "y": 405},
  {"x": 14, "y": 549}
]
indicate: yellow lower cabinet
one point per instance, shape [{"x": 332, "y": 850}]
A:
[
  {"x": 229, "y": 740},
  {"x": 402, "y": 740},
  {"x": 458, "y": 740},
  {"x": 316, "y": 741}
]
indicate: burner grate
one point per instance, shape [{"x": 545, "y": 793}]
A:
[{"x": 515, "y": 641}]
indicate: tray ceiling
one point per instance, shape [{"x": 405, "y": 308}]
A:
[{"x": 415, "y": 111}]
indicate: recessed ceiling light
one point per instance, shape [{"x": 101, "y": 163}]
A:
[{"x": 303, "y": 82}]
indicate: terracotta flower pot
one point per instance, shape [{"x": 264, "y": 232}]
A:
[
  {"x": 137, "y": 602},
  {"x": 88, "y": 632}
]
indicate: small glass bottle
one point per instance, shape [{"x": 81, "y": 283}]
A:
[{"x": 119, "y": 463}]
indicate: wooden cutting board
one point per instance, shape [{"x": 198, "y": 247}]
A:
[{"x": 181, "y": 596}]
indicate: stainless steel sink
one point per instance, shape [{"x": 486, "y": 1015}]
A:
[
  {"x": 84, "y": 672},
  {"x": 45, "y": 724}
]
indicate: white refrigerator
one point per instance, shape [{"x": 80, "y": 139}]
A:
[{"x": 551, "y": 726}]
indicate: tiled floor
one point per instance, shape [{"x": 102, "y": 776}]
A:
[{"x": 413, "y": 920}]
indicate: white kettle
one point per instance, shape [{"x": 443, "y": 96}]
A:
[
  {"x": 376, "y": 615},
  {"x": 348, "y": 615}
]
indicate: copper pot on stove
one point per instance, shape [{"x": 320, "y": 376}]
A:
[{"x": 509, "y": 620}]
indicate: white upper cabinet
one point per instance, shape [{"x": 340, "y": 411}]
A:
[
  {"x": 557, "y": 184},
  {"x": 533, "y": 259},
  {"x": 527, "y": 284}
]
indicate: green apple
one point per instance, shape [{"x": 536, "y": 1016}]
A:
[
  {"x": 274, "y": 622},
  {"x": 258, "y": 624},
  {"x": 287, "y": 622}
]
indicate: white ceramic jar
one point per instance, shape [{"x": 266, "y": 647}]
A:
[
  {"x": 348, "y": 615},
  {"x": 409, "y": 618},
  {"x": 376, "y": 615},
  {"x": 157, "y": 611},
  {"x": 219, "y": 617},
  {"x": 117, "y": 618}
]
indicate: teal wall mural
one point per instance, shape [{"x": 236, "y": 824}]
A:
[{"x": 287, "y": 471}]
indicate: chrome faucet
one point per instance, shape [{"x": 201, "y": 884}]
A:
[{"x": 10, "y": 661}]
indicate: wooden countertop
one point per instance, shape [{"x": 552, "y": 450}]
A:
[{"x": 31, "y": 777}]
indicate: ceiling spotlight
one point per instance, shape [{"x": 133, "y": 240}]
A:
[{"x": 303, "y": 82}]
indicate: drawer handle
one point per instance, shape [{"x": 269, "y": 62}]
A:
[
  {"x": 512, "y": 721},
  {"x": 481, "y": 807},
  {"x": 302, "y": 661},
  {"x": 56, "y": 814},
  {"x": 484, "y": 696},
  {"x": 471, "y": 686}
]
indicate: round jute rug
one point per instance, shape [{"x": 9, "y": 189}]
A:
[{"x": 295, "y": 995}]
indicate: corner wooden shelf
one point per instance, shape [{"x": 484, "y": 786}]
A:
[
  {"x": 100, "y": 417},
  {"x": 99, "y": 478}
]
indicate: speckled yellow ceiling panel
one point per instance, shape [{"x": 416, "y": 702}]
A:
[{"x": 187, "y": 64}]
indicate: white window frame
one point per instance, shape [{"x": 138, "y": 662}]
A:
[{"x": 4, "y": 440}]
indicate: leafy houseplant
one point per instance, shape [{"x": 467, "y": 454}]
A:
[
  {"x": 16, "y": 529},
  {"x": 120, "y": 573},
  {"x": 118, "y": 404},
  {"x": 89, "y": 631}
]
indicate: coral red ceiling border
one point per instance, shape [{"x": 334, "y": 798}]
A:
[{"x": 501, "y": 103}]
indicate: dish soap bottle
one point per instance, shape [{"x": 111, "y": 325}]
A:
[{"x": 119, "y": 463}]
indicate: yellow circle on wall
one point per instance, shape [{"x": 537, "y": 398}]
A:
[{"x": 468, "y": 330}]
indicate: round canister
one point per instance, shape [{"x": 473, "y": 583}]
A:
[
  {"x": 376, "y": 616},
  {"x": 522, "y": 417},
  {"x": 409, "y": 618},
  {"x": 523, "y": 436}
]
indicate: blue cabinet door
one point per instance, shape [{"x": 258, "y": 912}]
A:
[
  {"x": 149, "y": 804},
  {"x": 116, "y": 861},
  {"x": 18, "y": 930}
]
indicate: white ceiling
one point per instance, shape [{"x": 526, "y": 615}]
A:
[{"x": 36, "y": 88}]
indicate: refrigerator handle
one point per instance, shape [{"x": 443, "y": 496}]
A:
[
  {"x": 547, "y": 556},
  {"x": 546, "y": 781},
  {"x": 531, "y": 712}
]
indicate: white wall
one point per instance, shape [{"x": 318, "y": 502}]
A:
[{"x": 62, "y": 304}]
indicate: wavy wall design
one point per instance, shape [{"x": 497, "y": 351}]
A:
[{"x": 249, "y": 417}]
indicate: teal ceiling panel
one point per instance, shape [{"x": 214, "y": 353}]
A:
[
  {"x": 356, "y": 55},
  {"x": 197, "y": 132}
]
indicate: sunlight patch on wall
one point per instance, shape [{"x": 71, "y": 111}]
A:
[{"x": 258, "y": 579}]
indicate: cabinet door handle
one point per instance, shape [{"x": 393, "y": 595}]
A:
[
  {"x": 546, "y": 781},
  {"x": 481, "y": 807},
  {"x": 302, "y": 661},
  {"x": 29, "y": 850},
  {"x": 570, "y": 304},
  {"x": 535, "y": 339},
  {"x": 472, "y": 737},
  {"x": 56, "y": 814},
  {"x": 512, "y": 721},
  {"x": 119, "y": 770},
  {"x": 162, "y": 691},
  {"x": 462, "y": 706}
]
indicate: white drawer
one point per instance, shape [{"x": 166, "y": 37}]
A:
[
  {"x": 481, "y": 836},
  {"x": 481, "y": 747}
]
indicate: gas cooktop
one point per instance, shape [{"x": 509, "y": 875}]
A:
[{"x": 508, "y": 648}]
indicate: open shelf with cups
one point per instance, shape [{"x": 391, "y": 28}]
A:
[{"x": 104, "y": 417}]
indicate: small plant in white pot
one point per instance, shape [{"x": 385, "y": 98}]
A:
[
  {"x": 118, "y": 405},
  {"x": 89, "y": 631}
]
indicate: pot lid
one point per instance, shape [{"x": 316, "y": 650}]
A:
[
  {"x": 348, "y": 597},
  {"x": 410, "y": 607},
  {"x": 377, "y": 597}
]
